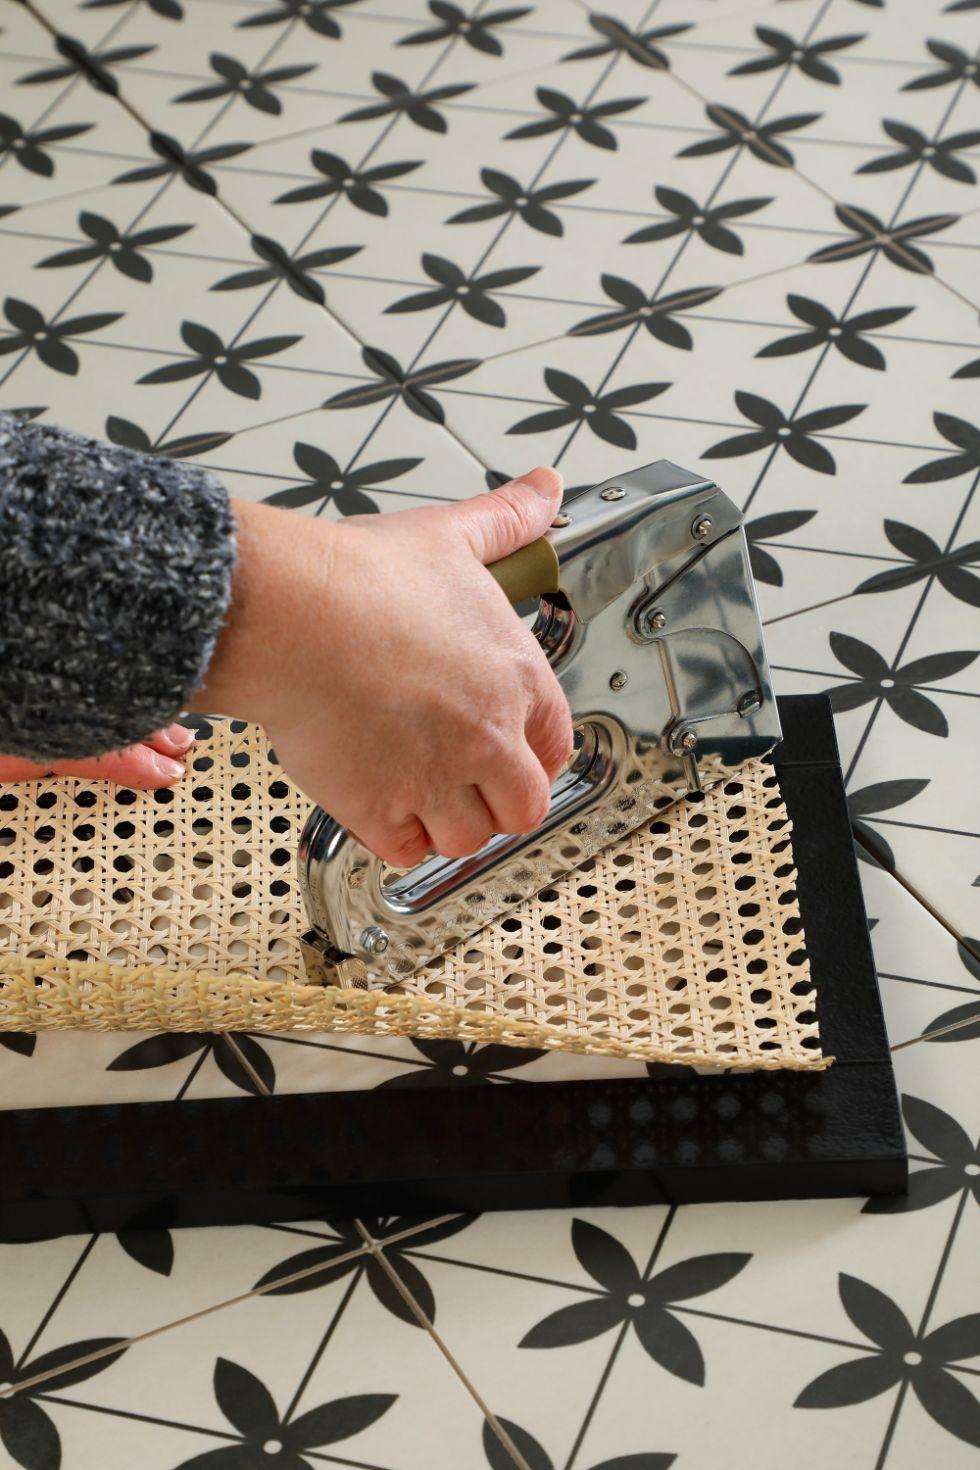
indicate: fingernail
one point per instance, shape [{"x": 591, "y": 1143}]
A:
[
  {"x": 181, "y": 736},
  {"x": 166, "y": 768},
  {"x": 545, "y": 480}
]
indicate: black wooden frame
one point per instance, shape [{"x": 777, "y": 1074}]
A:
[{"x": 674, "y": 1136}]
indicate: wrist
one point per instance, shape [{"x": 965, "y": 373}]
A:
[{"x": 279, "y": 560}]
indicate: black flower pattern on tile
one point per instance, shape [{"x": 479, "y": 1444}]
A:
[
  {"x": 358, "y": 185},
  {"x": 131, "y": 436},
  {"x": 189, "y": 165},
  {"x": 419, "y": 107},
  {"x": 168, "y": 9},
  {"x": 472, "y": 293},
  {"x": 956, "y": 1166},
  {"x": 869, "y": 233},
  {"x": 915, "y": 147},
  {"x": 30, "y": 147},
  {"x": 281, "y": 266},
  {"x": 227, "y": 362},
  {"x": 92, "y": 65},
  {"x": 255, "y": 88},
  {"x": 965, "y": 438},
  {"x": 513, "y": 198},
  {"x": 810, "y": 57},
  {"x": 618, "y": 39},
  {"x": 32, "y": 333},
  {"x": 452, "y": 1064},
  {"x": 345, "y": 1254},
  {"x": 124, "y": 249},
  {"x": 270, "y": 1441},
  {"x": 176, "y": 1046},
  {"x": 761, "y": 139},
  {"x": 600, "y": 411},
  {"x": 394, "y": 381},
  {"x": 535, "y": 1457},
  {"x": 926, "y": 559},
  {"x": 794, "y": 434},
  {"x": 475, "y": 29},
  {"x": 875, "y": 678},
  {"x": 708, "y": 222},
  {"x": 586, "y": 120},
  {"x": 26, "y": 1430},
  {"x": 657, "y": 314},
  {"x": 883, "y": 796},
  {"x": 625, "y": 1297},
  {"x": 148, "y": 1239},
  {"x": 316, "y": 15},
  {"x": 969, "y": 369},
  {"x": 957, "y": 66},
  {"x": 328, "y": 484},
  {"x": 897, "y": 1354},
  {"x": 962, "y": 1023},
  {"x": 844, "y": 333},
  {"x": 765, "y": 567}
]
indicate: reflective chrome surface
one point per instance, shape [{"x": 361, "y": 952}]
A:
[{"x": 656, "y": 640}]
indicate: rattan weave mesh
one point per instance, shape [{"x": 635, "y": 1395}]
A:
[{"x": 179, "y": 910}]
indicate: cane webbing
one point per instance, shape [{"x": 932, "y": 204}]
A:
[{"x": 179, "y": 910}]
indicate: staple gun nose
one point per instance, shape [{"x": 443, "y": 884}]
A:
[{"x": 647, "y": 613}]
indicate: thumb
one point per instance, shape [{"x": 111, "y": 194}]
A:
[{"x": 506, "y": 519}]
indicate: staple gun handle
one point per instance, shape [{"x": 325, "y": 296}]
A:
[{"x": 529, "y": 572}]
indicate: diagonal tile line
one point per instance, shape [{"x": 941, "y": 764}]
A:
[
  {"x": 124, "y": 1344},
  {"x": 824, "y": 353},
  {"x": 324, "y": 307},
  {"x": 535, "y": 180},
  {"x": 910, "y": 888},
  {"x": 158, "y": 193},
  {"x": 923, "y": 1323},
  {"x": 766, "y": 147},
  {"x": 617, "y": 1345},
  {"x": 377, "y": 1251},
  {"x": 719, "y": 185}
]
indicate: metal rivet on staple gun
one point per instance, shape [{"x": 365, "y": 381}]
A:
[
  {"x": 374, "y": 940},
  {"x": 561, "y": 520},
  {"x": 701, "y": 526},
  {"x": 655, "y": 619},
  {"x": 683, "y": 740},
  {"x": 612, "y": 492},
  {"x": 619, "y": 680}
]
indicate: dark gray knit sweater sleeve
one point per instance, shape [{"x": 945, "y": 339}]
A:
[{"x": 115, "y": 577}]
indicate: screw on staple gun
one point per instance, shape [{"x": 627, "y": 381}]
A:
[{"x": 647, "y": 613}]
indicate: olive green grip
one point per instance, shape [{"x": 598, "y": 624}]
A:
[{"x": 529, "y": 572}]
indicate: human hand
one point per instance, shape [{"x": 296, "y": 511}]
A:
[
  {"x": 399, "y": 688},
  {"x": 147, "y": 766}
]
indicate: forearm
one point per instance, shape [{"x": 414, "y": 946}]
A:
[{"x": 115, "y": 579}]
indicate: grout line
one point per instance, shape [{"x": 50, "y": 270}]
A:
[
  {"x": 126, "y": 1343},
  {"x": 620, "y": 1339},
  {"x": 58, "y": 1299},
  {"x": 378, "y": 1253}
]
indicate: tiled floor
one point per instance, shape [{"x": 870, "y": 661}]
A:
[{"x": 679, "y": 209}]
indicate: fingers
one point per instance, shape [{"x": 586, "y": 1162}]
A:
[
  {"x": 139, "y": 766},
  {"x": 507, "y": 519},
  {"x": 12, "y": 768},
  {"x": 548, "y": 728},
  {"x": 175, "y": 740},
  {"x": 401, "y": 845},
  {"x": 460, "y": 824}
]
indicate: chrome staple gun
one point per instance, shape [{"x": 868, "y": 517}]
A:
[{"x": 647, "y": 613}]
